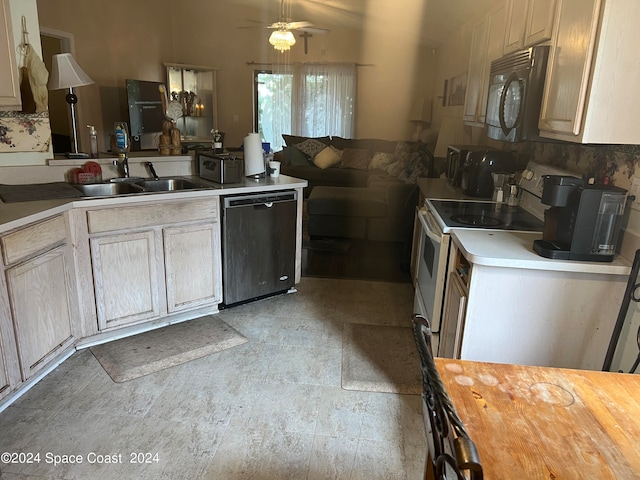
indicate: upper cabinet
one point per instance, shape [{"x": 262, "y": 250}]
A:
[
  {"x": 9, "y": 83},
  {"x": 591, "y": 83},
  {"x": 529, "y": 22},
  {"x": 487, "y": 42}
]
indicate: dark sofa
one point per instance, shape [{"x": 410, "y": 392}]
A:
[{"x": 358, "y": 188}]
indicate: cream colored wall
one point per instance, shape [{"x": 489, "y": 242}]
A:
[{"x": 126, "y": 40}]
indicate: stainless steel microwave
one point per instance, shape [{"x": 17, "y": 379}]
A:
[{"x": 516, "y": 84}]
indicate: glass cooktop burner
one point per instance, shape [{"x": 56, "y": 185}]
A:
[
  {"x": 488, "y": 215},
  {"x": 477, "y": 220}
]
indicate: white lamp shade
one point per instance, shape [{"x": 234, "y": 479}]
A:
[
  {"x": 451, "y": 133},
  {"x": 282, "y": 40},
  {"x": 421, "y": 111},
  {"x": 66, "y": 73}
]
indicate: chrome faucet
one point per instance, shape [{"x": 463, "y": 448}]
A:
[{"x": 122, "y": 165}]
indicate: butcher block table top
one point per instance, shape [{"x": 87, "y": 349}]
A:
[{"x": 547, "y": 423}]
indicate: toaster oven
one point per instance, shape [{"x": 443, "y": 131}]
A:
[{"x": 220, "y": 168}]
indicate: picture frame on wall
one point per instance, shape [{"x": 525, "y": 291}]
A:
[
  {"x": 457, "y": 90},
  {"x": 444, "y": 93}
]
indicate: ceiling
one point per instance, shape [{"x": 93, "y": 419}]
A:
[{"x": 441, "y": 18}]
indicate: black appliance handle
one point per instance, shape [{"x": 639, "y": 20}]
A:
[{"x": 503, "y": 125}]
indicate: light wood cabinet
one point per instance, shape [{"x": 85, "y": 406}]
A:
[
  {"x": 529, "y": 22},
  {"x": 591, "y": 81},
  {"x": 125, "y": 276},
  {"x": 539, "y": 23},
  {"x": 10, "y": 376},
  {"x": 40, "y": 302},
  {"x": 192, "y": 266},
  {"x": 152, "y": 260},
  {"x": 487, "y": 44},
  {"x": 9, "y": 83},
  {"x": 39, "y": 295}
]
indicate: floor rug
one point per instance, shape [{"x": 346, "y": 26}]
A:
[
  {"x": 152, "y": 351},
  {"x": 378, "y": 358}
]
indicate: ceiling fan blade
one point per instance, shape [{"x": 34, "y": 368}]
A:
[
  {"x": 298, "y": 25},
  {"x": 314, "y": 30}
]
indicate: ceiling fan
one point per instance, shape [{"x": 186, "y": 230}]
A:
[{"x": 282, "y": 37}]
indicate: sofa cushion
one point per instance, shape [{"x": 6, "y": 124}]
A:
[
  {"x": 328, "y": 157},
  {"x": 311, "y": 147},
  {"x": 345, "y": 177},
  {"x": 349, "y": 202},
  {"x": 355, "y": 158},
  {"x": 381, "y": 160},
  {"x": 308, "y": 172},
  {"x": 297, "y": 157},
  {"x": 294, "y": 140},
  {"x": 371, "y": 144}
]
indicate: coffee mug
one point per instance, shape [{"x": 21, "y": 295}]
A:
[{"x": 274, "y": 169}]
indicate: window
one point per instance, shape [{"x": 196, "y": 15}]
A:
[{"x": 311, "y": 100}]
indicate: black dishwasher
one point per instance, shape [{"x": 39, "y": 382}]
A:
[{"x": 258, "y": 245}]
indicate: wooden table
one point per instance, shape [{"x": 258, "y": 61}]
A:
[{"x": 547, "y": 423}]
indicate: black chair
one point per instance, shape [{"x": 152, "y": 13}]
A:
[{"x": 451, "y": 452}]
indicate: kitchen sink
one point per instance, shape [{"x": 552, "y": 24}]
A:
[
  {"x": 108, "y": 189},
  {"x": 168, "y": 184}
]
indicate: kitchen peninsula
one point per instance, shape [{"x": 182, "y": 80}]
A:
[{"x": 82, "y": 271}]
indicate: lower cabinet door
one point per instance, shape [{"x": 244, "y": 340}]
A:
[
  {"x": 193, "y": 266},
  {"x": 125, "y": 277},
  {"x": 39, "y": 297}
]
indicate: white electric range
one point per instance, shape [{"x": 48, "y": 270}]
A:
[{"x": 449, "y": 209}]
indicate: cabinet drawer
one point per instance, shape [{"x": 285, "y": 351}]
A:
[
  {"x": 139, "y": 216},
  {"x": 32, "y": 239}
]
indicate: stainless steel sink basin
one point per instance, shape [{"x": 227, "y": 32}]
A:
[
  {"x": 168, "y": 184},
  {"x": 108, "y": 189}
]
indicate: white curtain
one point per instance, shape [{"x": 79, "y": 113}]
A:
[{"x": 323, "y": 100}]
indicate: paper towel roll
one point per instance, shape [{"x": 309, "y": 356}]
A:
[{"x": 253, "y": 159}]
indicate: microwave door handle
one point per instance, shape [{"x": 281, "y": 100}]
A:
[
  {"x": 431, "y": 231},
  {"x": 503, "y": 97}
]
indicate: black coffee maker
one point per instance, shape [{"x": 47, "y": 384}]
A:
[{"x": 583, "y": 222}]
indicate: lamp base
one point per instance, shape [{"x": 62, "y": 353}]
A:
[{"x": 77, "y": 155}]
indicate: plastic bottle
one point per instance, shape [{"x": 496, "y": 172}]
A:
[
  {"x": 93, "y": 141},
  {"x": 121, "y": 131}
]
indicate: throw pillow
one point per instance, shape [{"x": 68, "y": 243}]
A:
[
  {"x": 381, "y": 160},
  {"x": 311, "y": 147},
  {"x": 297, "y": 157},
  {"x": 328, "y": 157},
  {"x": 355, "y": 158}
]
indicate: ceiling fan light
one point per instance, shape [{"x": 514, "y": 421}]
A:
[{"x": 282, "y": 40}]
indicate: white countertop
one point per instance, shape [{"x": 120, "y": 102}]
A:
[
  {"x": 499, "y": 248},
  {"x": 14, "y": 215}
]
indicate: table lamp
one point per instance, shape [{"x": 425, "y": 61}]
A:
[
  {"x": 66, "y": 73},
  {"x": 420, "y": 115}
]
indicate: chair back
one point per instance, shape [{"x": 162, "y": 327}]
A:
[{"x": 451, "y": 451}]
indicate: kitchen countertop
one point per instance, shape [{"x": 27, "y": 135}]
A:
[
  {"x": 441, "y": 189},
  {"x": 499, "y": 248},
  {"x": 14, "y": 215}
]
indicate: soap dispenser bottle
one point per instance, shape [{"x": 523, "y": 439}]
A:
[{"x": 93, "y": 141}]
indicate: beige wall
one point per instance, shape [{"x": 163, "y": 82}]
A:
[{"x": 123, "y": 39}]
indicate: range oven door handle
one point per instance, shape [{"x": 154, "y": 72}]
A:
[{"x": 429, "y": 226}]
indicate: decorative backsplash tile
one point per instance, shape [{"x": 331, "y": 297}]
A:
[
  {"x": 24, "y": 132},
  {"x": 618, "y": 162}
]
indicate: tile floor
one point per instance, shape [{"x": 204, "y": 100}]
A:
[{"x": 272, "y": 408}]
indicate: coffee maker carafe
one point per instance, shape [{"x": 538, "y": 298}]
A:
[{"x": 583, "y": 221}]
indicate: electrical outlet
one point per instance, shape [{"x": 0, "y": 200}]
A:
[{"x": 635, "y": 191}]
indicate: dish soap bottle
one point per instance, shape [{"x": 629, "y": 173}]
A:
[
  {"x": 93, "y": 141},
  {"x": 121, "y": 131}
]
